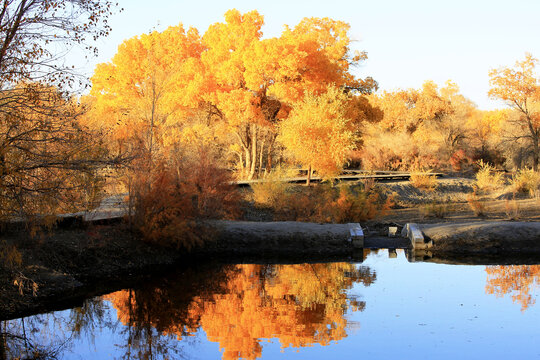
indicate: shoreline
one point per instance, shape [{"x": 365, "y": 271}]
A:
[{"x": 73, "y": 264}]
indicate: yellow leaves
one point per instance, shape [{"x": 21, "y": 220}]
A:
[
  {"x": 317, "y": 132},
  {"x": 516, "y": 85},
  {"x": 299, "y": 305},
  {"x": 149, "y": 83},
  {"x": 157, "y": 81},
  {"x": 240, "y": 107}
]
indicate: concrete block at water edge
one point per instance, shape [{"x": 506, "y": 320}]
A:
[
  {"x": 413, "y": 232},
  {"x": 356, "y": 235}
]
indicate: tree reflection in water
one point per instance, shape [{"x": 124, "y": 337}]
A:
[
  {"x": 47, "y": 336},
  {"x": 238, "y": 306},
  {"x": 300, "y": 305},
  {"x": 518, "y": 280}
]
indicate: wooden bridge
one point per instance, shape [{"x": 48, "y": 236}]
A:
[{"x": 348, "y": 175}]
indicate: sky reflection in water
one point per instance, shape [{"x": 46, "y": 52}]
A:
[{"x": 382, "y": 308}]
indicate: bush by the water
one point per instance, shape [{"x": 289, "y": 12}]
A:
[
  {"x": 172, "y": 202},
  {"x": 423, "y": 179}
]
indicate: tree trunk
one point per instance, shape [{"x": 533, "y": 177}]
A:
[
  {"x": 241, "y": 162},
  {"x": 248, "y": 162},
  {"x": 261, "y": 156},
  {"x": 534, "y": 137},
  {"x": 308, "y": 181},
  {"x": 535, "y": 153},
  {"x": 269, "y": 152},
  {"x": 253, "y": 151}
]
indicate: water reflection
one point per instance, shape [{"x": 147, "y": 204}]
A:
[
  {"x": 300, "y": 305},
  {"x": 241, "y": 307},
  {"x": 48, "y": 336},
  {"x": 517, "y": 280}
]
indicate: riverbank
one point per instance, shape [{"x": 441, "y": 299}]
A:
[{"x": 70, "y": 265}]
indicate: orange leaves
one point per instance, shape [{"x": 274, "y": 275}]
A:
[
  {"x": 170, "y": 201},
  {"x": 518, "y": 280},
  {"x": 142, "y": 89},
  {"x": 520, "y": 88},
  {"x": 157, "y": 82},
  {"x": 227, "y": 43},
  {"x": 240, "y": 107},
  {"x": 300, "y": 305}
]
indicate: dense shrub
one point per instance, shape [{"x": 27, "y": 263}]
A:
[
  {"x": 423, "y": 179},
  {"x": 526, "y": 181},
  {"x": 324, "y": 203},
  {"x": 487, "y": 179},
  {"x": 173, "y": 202},
  {"x": 269, "y": 191}
]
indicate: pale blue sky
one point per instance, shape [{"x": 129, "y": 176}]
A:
[{"x": 407, "y": 42}]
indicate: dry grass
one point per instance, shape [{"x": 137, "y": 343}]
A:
[
  {"x": 423, "y": 180},
  {"x": 477, "y": 205},
  {"x": 511, "y": 208},
  {"x": 10, "y": 257},
  {"x": 271, "y": 189},
  {"x": 322, "y": 203},
  {"x": 435, "y": 209},
  {"x": 526, "y": 181},
  {"x": 487, "y": 179}
]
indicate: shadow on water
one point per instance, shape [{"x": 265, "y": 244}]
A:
[{"x": 472, "y": 259}]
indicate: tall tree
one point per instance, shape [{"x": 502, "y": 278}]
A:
[
  {"x": 318, "y": 133},
  {"x": 141, "y": 94},
  {"x": 48, "y": 161},
  {"x": 236, "y": 77},
  {"x": 269, "y": 76},
  {"x": 519, "y": 87},
  {"x": 28, "y": 28},
  {"x": 44, "y": 152}
]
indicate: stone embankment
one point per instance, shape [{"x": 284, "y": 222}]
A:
[
  {"x": 486, "y": 237},
  {"x": 73, "y": 264}
]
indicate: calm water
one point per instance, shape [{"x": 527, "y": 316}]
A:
[{"x": 385, "y": 307}]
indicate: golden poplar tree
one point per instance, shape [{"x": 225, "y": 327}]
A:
[
  {"x": 519, "y": 87},
  {"x": 318, "y": 134}
]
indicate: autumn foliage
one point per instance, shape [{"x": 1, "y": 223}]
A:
[
  {"x": 148, "y": 96},
  {"x": 322, "y": 203},
  {"x": 319, "y": 134},
  {"x": 517, "y": 280},
  {"x": 300, "y": 305},
  {"x": 172, "y": 201},
  {"x": 520, "y": 88}
]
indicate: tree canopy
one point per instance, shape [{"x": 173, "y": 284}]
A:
[{"x": 230, "y": 74}]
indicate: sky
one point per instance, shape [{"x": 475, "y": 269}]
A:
[{"x": 407, "y": 41}]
